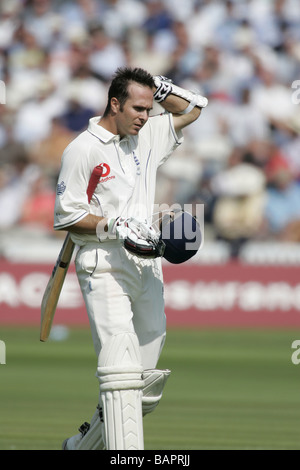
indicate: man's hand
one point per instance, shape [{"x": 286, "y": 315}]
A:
[
  {"x": 137, "y": 236},
  {"x": 142, "y": 240}
]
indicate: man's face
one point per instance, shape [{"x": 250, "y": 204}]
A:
[{"x": 132, "y": 116}]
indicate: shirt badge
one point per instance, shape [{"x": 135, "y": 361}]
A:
[{"x": 60, "y": 188}]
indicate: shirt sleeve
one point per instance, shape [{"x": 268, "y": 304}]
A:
[
  {"x": 164, "y": 138},
  {"x": 71, "y": 203}
]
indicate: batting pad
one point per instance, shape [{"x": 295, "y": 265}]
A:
[
  {"x": 120, "y": 378},
  {"x": 93, "y": 439}
]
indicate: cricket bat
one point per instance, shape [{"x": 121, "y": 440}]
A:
[{"x": 57, "y": 278}]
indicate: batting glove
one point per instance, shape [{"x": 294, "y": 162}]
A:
[
  {"x": 164, "y": 88},
  {"x": 141, "y": 239},
  {"x": 138, "y": 237}
]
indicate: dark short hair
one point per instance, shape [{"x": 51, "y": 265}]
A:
[{"x": 122, "y": 78}]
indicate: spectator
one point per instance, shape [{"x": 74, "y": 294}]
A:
[
  {"x": 246, "y": 123},
  {"x": 79, "y": 13},
  {"x": 33, "y": 120},
  {"x": 106, "y": 54},
  {"x": 282, "y": 209},
  {"x": 46, "y": 153},
  {"x": 25, "y": 63},
  {"x": 42, "y": 22},
  {"x": 57, "y": 57},
  {"x": 37, "y": 210},
  {"x": 120, "y": 17},
  {"x": 291, "y": 146},
  {"x": 3, "y": 126},
  {"x": 9, "y": 22},
  {"x": 184, "y": 59},
  {"x": 271, "y": 97},
  {"x": 238, "y": 211},
  {"x": 158, "y": 17},
  {"x": 16, "y": 179}
]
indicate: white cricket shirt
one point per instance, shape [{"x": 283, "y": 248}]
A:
[{"x": 127, "y": 185}]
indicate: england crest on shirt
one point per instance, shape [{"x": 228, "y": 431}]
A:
[{"x": 60, "y": 188}]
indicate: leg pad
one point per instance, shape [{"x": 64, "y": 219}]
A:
[
  {"x": 120, "y": 378},
  {"x": 154, "y": 382}
]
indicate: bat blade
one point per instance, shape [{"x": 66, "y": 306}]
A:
[
  {"x": 54, "y": 287},
  {"x": 57, "y": 278}
]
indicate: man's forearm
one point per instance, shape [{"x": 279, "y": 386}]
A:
[
  {"x": 87, "y": 225},
  {"x": 185, "y": 105},
  {"x": 174, "y": 104}
]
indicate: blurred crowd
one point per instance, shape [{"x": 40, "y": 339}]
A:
[{"x": 241, "y": 159}]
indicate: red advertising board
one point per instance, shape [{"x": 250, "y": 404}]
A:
[
  {"x": 233, "y": 294},
  {"x": 229, "y": 294}
]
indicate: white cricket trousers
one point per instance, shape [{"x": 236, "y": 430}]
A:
[{"x": 123, "y": 293}]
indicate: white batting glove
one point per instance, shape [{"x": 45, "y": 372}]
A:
[
  {"x": 122, "y": 229},
  {"x": 141, "y": 229},
  {"x": 165, "y": 87},
  {"x": 138, "y": 237},
  {"x": 134, "y": 229},
  {"x": 141, "y": 239}
]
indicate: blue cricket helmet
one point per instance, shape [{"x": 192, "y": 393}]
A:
[{"x": 181, "y": 235}]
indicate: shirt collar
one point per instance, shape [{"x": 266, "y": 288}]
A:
[
  {"x": 98, "y": 131},
  {"x": 103, "y": 134}
]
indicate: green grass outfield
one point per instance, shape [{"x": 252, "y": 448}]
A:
[{"x": 229, "y": 389}]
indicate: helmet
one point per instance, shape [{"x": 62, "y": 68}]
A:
[{"x": 181, "y": 235}]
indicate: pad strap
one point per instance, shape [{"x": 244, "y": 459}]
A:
[{"x": 90, "y": 436}]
